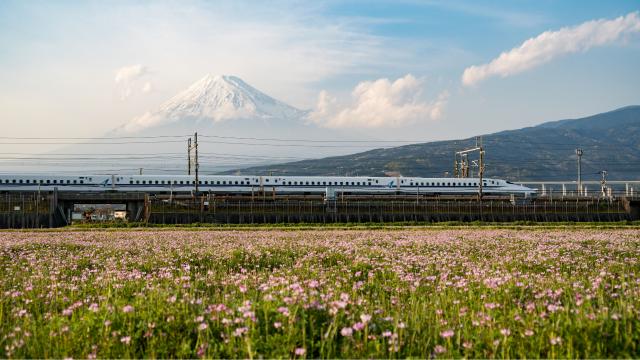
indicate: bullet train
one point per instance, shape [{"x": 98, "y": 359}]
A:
[{"x": 223, "y": 184}]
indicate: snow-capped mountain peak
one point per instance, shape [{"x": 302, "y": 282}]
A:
[{"x": 216, "y": 98}]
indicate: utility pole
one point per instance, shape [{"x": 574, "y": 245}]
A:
[
  {"x": 480, "y": 169},
  {"x": 579, "y": 153},
  {"x": 603, "y": 183},
  {"x": 189, "y": 156},
  {"x": 462, "y": 167},
  {"x": 195, "y": 137},
  {"x": 456, "y": 173}
]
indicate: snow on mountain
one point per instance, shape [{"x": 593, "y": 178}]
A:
[{"x": 215, "y": 99}]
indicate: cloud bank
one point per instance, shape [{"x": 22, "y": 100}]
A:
[
  {"x": 552, "y": 44},
  {"x": 378, "y": 104}
]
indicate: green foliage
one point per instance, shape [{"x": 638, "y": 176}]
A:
[{"x": 477, "y": 293}]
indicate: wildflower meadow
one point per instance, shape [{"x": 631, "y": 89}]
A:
[{"x": 481, "y": 293}]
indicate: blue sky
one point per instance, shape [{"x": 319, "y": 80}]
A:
[{"x": 59, "y": 60}]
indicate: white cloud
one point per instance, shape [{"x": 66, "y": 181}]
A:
[
  {"x": 127, "y": 76},
  {"x": 129, "y": 73},
  {"x": 551, "y": 44},
  {"x": 147, "y": 88},
  {"x": 378, "y": 104}
]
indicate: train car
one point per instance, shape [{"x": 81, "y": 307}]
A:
[{"x": 226, "y": 184}]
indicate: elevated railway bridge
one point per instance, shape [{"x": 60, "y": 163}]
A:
[{"x": 555, "y": 201}]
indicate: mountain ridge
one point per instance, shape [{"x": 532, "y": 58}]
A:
[{"x": 611, "y": 141}]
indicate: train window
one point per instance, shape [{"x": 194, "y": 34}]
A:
[
  {"x": 28, "y": 181},
  {"x": 20, "y": 181},
  {"x": 144, "y": 182},
  {"x": 289, "y": 182},
  {"x": 267, "y": 180},
  {"x": 137, "y": 181},
  {"x": 81, "y": 181},
  {"x": 75, "y": 181},
  {"x": 218, "y": 182},
  {"x": 130, "y": 181},
  {"x": 306, "y": 183},
  {"x": 295, "y": 183},
  {"x": 236, "y": 182},
  {"x": 48, "y": 181},
  {"x": 324, "y": 183}
]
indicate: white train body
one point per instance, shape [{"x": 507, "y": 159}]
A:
[{"x": 224, "y": 184}]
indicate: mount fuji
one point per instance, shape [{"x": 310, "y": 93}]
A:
[
  {"x": 214, "y": 100},
  {"x": 237, "y": 126}
]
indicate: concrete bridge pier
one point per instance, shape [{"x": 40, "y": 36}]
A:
[{"x": 135, "y": 210}]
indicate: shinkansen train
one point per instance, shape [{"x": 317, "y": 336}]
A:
[{"x": 223, "y": 184}]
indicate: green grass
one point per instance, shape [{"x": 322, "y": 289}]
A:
[
  {"x": 471, "y": 292},
  {"x": 363, "y": 225}
]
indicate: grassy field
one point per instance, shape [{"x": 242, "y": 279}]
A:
[{"x": 477, "y": 292}]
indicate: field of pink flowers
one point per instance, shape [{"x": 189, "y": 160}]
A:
[{"x": 320, "y": 294}]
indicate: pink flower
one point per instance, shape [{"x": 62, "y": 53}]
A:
[
  {"x": 283, "y": 310},
  {"x": 358, "y": 326},
  {"x": 125, "y": 339},
  {"x": 346, "y": 331},
  {"x": 528, "y": 332},
  {"x": 127, "y": 309},
  {"x": 202, "y": 326},
  {"x": 447, "y": 334},
  {"x": 300, "y": 351},
  {"x": 505, "y": 332},
  {"x": 94, "y": 307},
  {"x": 555, "y": 340},
  {"x": 439, "y": 349},
  {"x": 277, "y": 325},
  {"x": 365, "y": 318}
]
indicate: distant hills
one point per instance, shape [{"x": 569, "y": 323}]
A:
[{"x": 611, "y": 142}]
